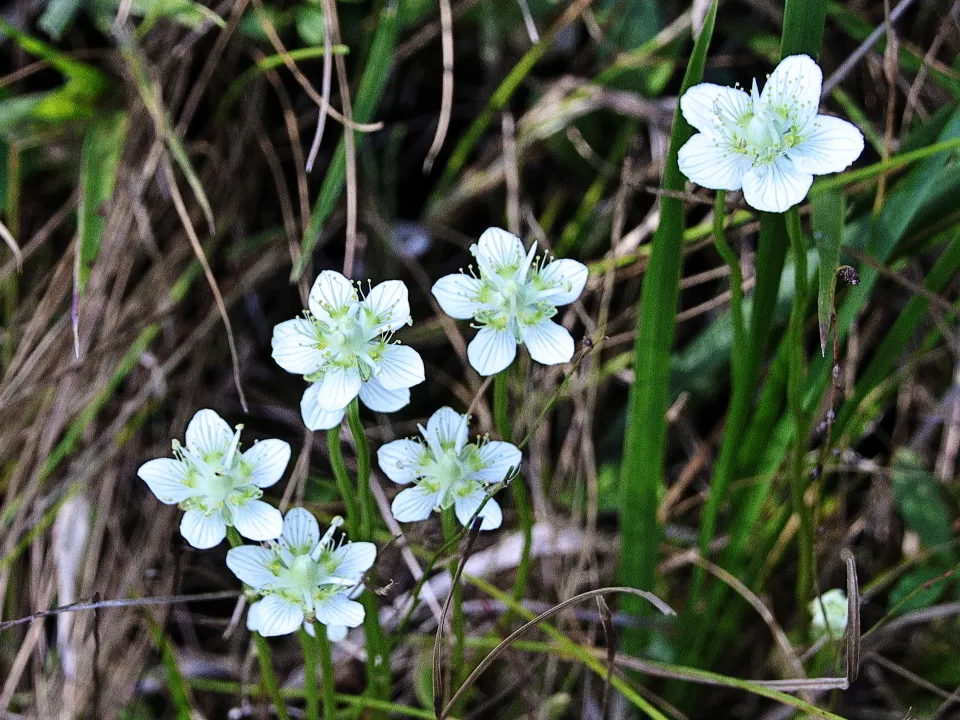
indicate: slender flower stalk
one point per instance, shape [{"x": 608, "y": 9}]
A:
[
  {"x": 344, "y": 347},
  {"x": 512, "y": 302},
  {"x": 770, "y": 144},
  {"x": 446, "y": 471},
  {"x": 217, "y": 485}
]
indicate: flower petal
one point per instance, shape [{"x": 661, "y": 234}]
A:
[
  {"x": 447, "y": 428},
  {"x": 400, "y": 367},
  {"x": 776, "y": 187},
  {"x": 413, "y": 504},
  {"x": 389, "y": 303},
  {"x": 711, "y": 163},
  {"x": 562, "y": 280},
  {"x": 399, "y": 460},
  {"x": 165, "y": 477},
  {"x": 498, "y": 249},
  {"x": 268, "y": 459},
  {"x": 830, "y": 146},
  {"x": 274, "y": 616},
  {"x": 376, "y": 397},
  {"x": 339, "y": 610},
  {"x": 314, "y": 416},
  {"x": 203, "y": 531},
  {"x": 711, "y": 108},
  {"x": 548, "y": 343},
  {"x": 491, "y": 351},
  {"x": 301, "y": 531},
  {"x": 457, "y": 295},
  {"x": 295, "y": 347},
  {"x": 250, "y": 564},
  {"x": 354, "y": 559},
  {"x": 467, "y": 505},
  {"x": 208, "y": 433},
  {"x": 331, "y": 293},
  {"x": 257, "y": 520},
  {"x": 793, "y": 88},
  {"x": 338, "y": 387},
  {"x": 499, "y": 458},
  {"x": 336, "y": 633}
]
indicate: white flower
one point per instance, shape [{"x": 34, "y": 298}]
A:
[
  {"x": 447, "y": 471},
  {"x": 217, "y": 485},
  {"x": 835, "y": 603},
  {"x": 768, "y": 143},
  {"x": 303, "y": 578},
  {"x": 343, "y": 345},
  {"x": 512, "y": 301}
]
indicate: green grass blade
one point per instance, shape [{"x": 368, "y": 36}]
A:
[
  {"x": 642, "y": 473},
  {"x": 829, "y": 212},
  {"x": 803, "y": 22},
  {"x": 372, "y": 83}
]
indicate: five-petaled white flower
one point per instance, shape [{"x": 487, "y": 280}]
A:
[
  {"x": 447, "y": 471},
  {"x": 216, "y": 484},
  {"x": 768, "y": 143},
  {"x": 303, "y": 578},
  {"x": 343, "y": 346},
  {"x": 834, "y": 620},
  {"x": 513, "y": 302}
]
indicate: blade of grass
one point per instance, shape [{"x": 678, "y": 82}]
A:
[
  {"x": 829, "y": 212},
  {"x": 642, "y": 472}
]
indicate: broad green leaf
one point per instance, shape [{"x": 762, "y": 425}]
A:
[
  {"x": 310, "y": 24},
  {"x": 829, "y": 211},
  {"x": 910, "y": 583},
  {"x": 920, "y": 500}
]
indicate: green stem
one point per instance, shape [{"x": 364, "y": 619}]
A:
[
  {"x": 270, "y": 685},
  {"x": 363, "y": 471},
  {"x": 307, "y": 643},
  {"x": 378, "y": 656},
  {"x": 796, "y": 372},
  {"x": 450, "y": 534},
  {"x": 740, "y": 395},
  {"x": 327, "y": 674},
  {"x": 347, "y": 491},
  {"x": 501, "y": 415}
]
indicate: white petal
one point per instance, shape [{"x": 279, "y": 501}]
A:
[
  {"x": 389, "y": 303},
  {"x": 336, "y": 633},
  {"x": 413, "y": 504},
  {"x": 491, "y": 351},
  {"x": 400, "y": 367},
  {"x": 354, "y": 559},
  {"x": 331, "y": 291},
  {"x": 457, "y": 295},
  {"x": 447, "y": 428},
  {"x": 208, "y": 433},
  {"x": 793, "y": 89},
  {"x": 249, "y": 563},
  {"x": 295, "y": 347},
  {"x": 274, "y": 616},
  {"x": 269, "y": 459},
  {"x": 564, "y": 281},
  {"x": 830, "y": 146},
  {"x": 339, "y": 610},
  {"x": 499, "y": 458},
  {"x": 776, "y": 187},
  {"x": 314, "y": 416},
  {"x": 711, "y": 108},
  {"x": 203, "y": 531},
  {"x": 548, "y": 343},
  {"x": 466, "y": 506},
  {"x": 338, "y": 387},
  {"x": 376, "y": 397},
  {"x": 497, "y": 249},
  {"x": 711, "y": 163},
  {"x": 301, "y": 531},
  {"x": 257, "y": 520},
  {"x": 165, "y": 478},
  {"x": 399, "y": 460}
]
